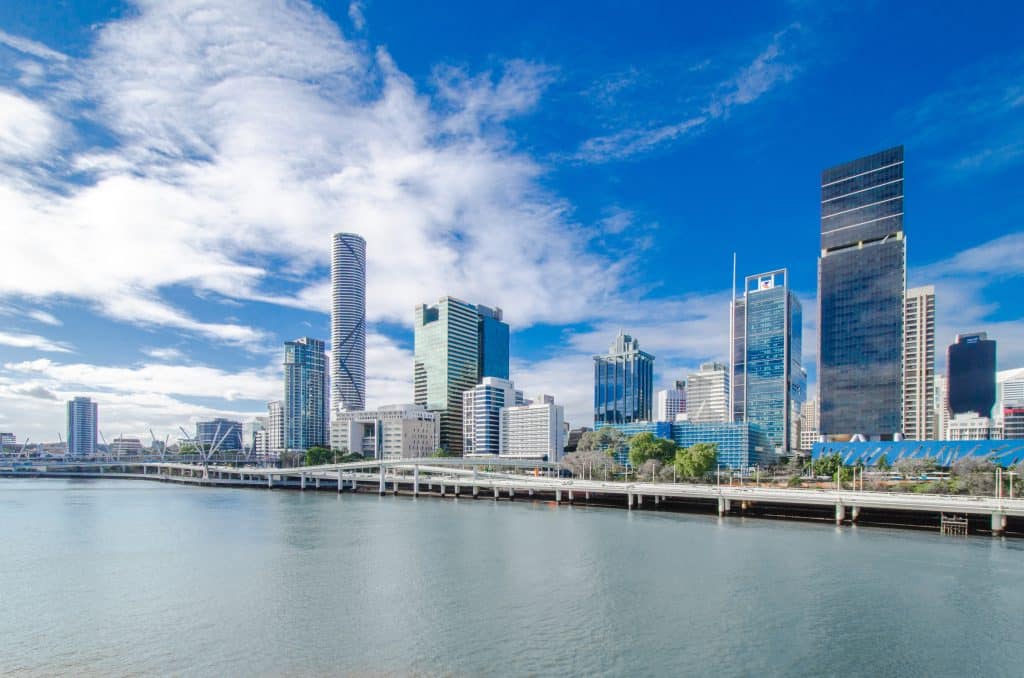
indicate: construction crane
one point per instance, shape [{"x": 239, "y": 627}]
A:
[
  {"x": 21, "y": 452},
  {"x": 104, "y": 439},
  {"x": 61, "y": 441}
]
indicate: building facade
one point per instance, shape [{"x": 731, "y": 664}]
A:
[
  {"x": 707, "y": 395},
  {"x": 861, "y": 283},
  {"x": 275, "y": 427},
  {"x": 970, "y": 426},
  {"x": 534, "y": 431},
  {"x": 348, "y": 322},
  {"x": 623, "y": 383},
  {"x": 945, "y": 453},
  {"x": 808, "y": 424},
  {"x": 306, "y": 417},
  {"x": 1013, "y": 422},
  {"x": 771, "y": 384},
  {"x": 83, "y": 425},
  {"x": 940, "y": 407},
  {"x": 225, "y": 434},
  {"x": 971, "y": 374},
  {"x": 670, "y": 402},
  {"x": 389, "y": 432},
  {"x": 454, "y": 341},
  {"x": 919, "y": 364},
  {"x": 126, "y": 447},
  {"x": 481, "y": 414}
]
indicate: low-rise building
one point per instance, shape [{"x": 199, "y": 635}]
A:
[
  {"x": 1013, "y": 422},
  {"x": 740, "y": 444},
  {"x": 224, "y": 434},
  {"x": 126, "y": 447},
  {"x": 971, "y": 426},
  {"x": 389, "y": 432}
]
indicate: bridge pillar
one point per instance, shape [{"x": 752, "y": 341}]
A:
[
  {"x": 529, "y": 492},
  {"x": 511, "y": 493},
  {"x": 558, "y": 496},
  {"x": 495, "y": 491},
  {"x": 270, "y": 481},
  {"x": 442, "y": 489},
  {"x": 639, "y": 500},
  {"x": 587, "y": 497},
  {"x": 657, "y": 499},
  {"x": 854, "y": 513},
  {"x": 571, "y": 497},
  {"x": 302, "y": 481},
  {"x": 355, "y": 483},
  {"x": 341, "y": 482},
  {"x": 476, "y": 489},
  {"x": 840, "y": 514},
  {"x": 723, "y": 506},
  {"x": 316, "y": 482},
  {"x": 998, "y": 524},
  {"x": 381, "y": 488},
  {"x": 629, "y": 500},
  {"x": 415, "y": 481}
]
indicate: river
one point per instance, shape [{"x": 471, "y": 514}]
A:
[{"x": 106, "y": 577}]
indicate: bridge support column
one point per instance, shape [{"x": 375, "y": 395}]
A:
[
  {"x": 558, "y": 496},
  {"x": 442, "y": 489},
  {"x": 629, "y": 500},
  {"x": 316, "y": 482},
  {"x": 302, "y": 482},
  {"x": 998, "y": 524},
  {"x": 476, "y": 488},
  {"x": 587, "y": 496},
  {"x": 854, "y": 513},
  {"x": 270, "y": 481},
  {"x": 381, "y": 489},
  {"x": 511, "y": 493},
  {"x": 639, "y": 500},
  {"x": 341, "y": 482},
  {"x": 495, "y": 492},
  {"x": 571, "y": 497},
  {"x": 840, "y": 514},
  {"x": 529, "y": 492},
  {"x": 415, "y": 481},
  {"x": 723, "y": 506},
  {"x": 657, "y": 499}
]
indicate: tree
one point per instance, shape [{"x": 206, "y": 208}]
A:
[
  {"x": 883, "y": 463},
  {"x": 650, "y": 468},
  {"x": 587, "y": 463},
  {"x": 644, "y": 447},
  {"x": 697, "y": 460},
  {"x": 315, "y": 456},
  {"x": 586, "y": 441}
]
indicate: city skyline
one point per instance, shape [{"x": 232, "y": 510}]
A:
[{"x": 206, "y": 343}]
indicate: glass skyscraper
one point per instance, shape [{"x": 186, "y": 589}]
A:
[
  {"x": 770, "y": 385},
  {"x": 623, "y": 383},
  {"x": 348, "y": 322},
  {"x": 456, "y": 345},
  {"x": 83, "y": 422},
  {"x": 861, "y": 284},
  {"x": 306, "y": 417},
  {"x": 971, "y": 374}
]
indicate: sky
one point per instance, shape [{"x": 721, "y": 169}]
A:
[{"x": 171, "y": 172}]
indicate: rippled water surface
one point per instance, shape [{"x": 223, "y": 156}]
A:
[{"x": 134, "y": 578}]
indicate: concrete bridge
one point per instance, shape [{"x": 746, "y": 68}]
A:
[{"x": 511, "y": 479}]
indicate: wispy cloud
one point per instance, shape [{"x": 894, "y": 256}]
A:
[
  {"x": 772, "y": 66},
  {"x": 31, "y": 47},
  {"x": 43, "y": 317},
  {"x": 33, "y": 341}
]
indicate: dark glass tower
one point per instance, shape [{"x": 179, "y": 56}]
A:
[
  {"x": 971, "y": 365},
  {"x": 861, "y": 287},
  {"x": 623, "y": 383}
]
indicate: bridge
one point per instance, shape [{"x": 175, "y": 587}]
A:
[{"x": 511, "y": 479}]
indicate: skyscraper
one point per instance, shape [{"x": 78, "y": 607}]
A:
[
  {"x": 306, "y": 417},
  {"x": 275, "y": 426},
  {"x": 454, "y": 342},
  {"x": 971, "y": 374},
  {"x": 770, "y": 387},
  {"x": 623, "y": 383},
  {"x": 83, "y": 423},
  {"x": 707, "y": 395},
  {"x": 348, "y": 322},
  {"x": 861, "y": 283},
  {"x": 919, "y": 364}
]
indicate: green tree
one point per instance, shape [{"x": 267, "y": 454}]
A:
[
  {"x": 697, "y": 460},
  {"x": 315, "y": 456},
  {"x": 883, "y": 463},
  {"x": 644, "y": 447}
]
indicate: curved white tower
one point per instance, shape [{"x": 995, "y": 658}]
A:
[{"x": 348, "y": 322}]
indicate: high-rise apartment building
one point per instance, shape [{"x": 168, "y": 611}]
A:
[
  {"x": 533, "y": 431},
  {"x": 348, "y": 322},
  {"x": 83, "y": 424},
  {"x": 623, "y": 383},
  {"x": 770, "y": 385},
  {"x": 919, "y": 364},
  {"x": 481, "y": 414},
  {"x": 940, "y": 407},
  {"x": 971, "y": 374},
  {"x": 670, "y": 402},
  {"x": 707, "y": 395},
  {"x": 454, "y": 342},
  {"x": 306, "y": 417},
  {"x": 861, "y": 283},
  {"x": 275, "y": 427},
  {"x": 808, "y": 424}
]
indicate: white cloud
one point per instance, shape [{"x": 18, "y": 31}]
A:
[
  {"x": 166, "y": 354},
  {"x": 33, "y": 341},
  {"x": 42, "y": 316},
  {"x": 30, "y": 47},
  {"x": 27, "y": 130},
  {"x": 355, "y": 14}
]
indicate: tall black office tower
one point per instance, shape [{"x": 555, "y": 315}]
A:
[
  {"x": 861, "y": 288},
  {"x": 971, "y": 374}
]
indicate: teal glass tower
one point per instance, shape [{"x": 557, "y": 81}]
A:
[
  {"x": 770, "y": 384},
  {"x": 456, "y": 345},
  {"x": 306, "y": 417}
]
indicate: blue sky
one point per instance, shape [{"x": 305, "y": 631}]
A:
[{"x": 172, "y": 172}]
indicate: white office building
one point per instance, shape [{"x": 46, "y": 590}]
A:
[
  {"x": 971, "y": 426},
  {"x": 670, "y": 402},
  {"x": 389, "y": 432},
  {"x": 481, "y": 414},
  {"x": 707, "y": 395},
  {"x": 534, "y": 431},
  {"x": 126, "y": 447},
  {"x": 275, "y": 427}
]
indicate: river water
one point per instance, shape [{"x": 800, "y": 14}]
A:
[{"x": 136, "y": 578}]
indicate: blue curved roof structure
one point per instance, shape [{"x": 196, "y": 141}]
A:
[{"x": 944, "y": 452}]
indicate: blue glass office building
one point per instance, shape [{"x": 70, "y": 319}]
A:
[
  {"x": 861, "y": 286},
  {"x": 740, "y": 445},
  {"x": 306, "y": 418},
  {"x": 769, "y": 383},
  {"x": 623, "y": 384},
  {"x": 225, "y": 434},
  {"x": 493, "y": 335}
]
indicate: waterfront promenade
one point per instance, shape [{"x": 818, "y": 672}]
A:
[{"x": 498, "y": 479}]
